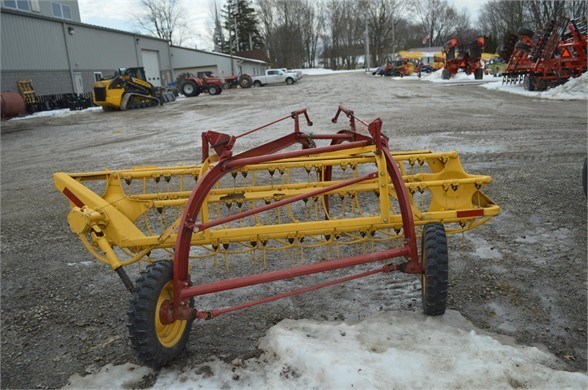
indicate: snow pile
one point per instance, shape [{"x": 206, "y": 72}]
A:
[
  {"x": 322, "y": 71},
  {"x": 433, "y": 75},
  {"x": 55, "y": 113},
  {"x": 460, "y": 77},
  {"x": 125, "y": 376},
  {"x": 400, "y": 350},
  {"x": 573, "y": 89}
]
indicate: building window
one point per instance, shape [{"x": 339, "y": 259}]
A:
[
  {"x": 61, "y": 11},
  {"x": 21, "y": 5},
  {"x": 97, "y": 76}
]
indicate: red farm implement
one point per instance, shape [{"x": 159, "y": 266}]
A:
[
  {"x": 332, "y": 200},
  {"x": 555, "y": 56},
  {"x": 465, "y": 54}
]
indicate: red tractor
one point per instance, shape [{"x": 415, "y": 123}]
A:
[
  {"x": 191, "y": 85},
  {"x": 551, "y": 59},
  {"x": 465, "y": 56}
]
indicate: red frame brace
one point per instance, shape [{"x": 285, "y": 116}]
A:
[{"x": 222, "y": 144}]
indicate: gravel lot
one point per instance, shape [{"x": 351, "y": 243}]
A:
[{"x": 524, "y": 274}]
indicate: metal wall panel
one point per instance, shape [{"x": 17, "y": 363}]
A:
[
  {"x": 39, "y": 46},
  {"x": 29, "y": 43},
  {"x": 188, "y": 58},
  {"x": 100, "y": 49}
]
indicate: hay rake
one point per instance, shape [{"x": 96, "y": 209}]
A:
[{"x": 334, "y": 194}]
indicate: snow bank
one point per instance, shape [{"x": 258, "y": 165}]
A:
[
  {"x": 125, "y": 376},
  {"x": 574, "y": 89},
  {"x": 322, "y": 71},
  {"x": 400, "y": 350},
  {"x": 55, "y": 113},
  {"x": 460, "y": 77}
]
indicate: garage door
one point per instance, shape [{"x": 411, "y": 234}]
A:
[{"x": 151, "y": 64}]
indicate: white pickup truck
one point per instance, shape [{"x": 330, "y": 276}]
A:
[{"x": 274, "y": 76}]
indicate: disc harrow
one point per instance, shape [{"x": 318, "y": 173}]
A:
[
  {"x": 329, "y": 200},
  {"x": 549, "y": 58}
]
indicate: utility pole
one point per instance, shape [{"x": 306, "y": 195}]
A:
[
  {"x": 367, "y": 45},
  {"x": 393, "y": 38},
  {"x": 231, "y": 54},
  {"x": 231, "y": 44},
  {"x": 236, "y": 32}
]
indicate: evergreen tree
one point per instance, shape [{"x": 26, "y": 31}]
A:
[
  {"x": 220, "y": 44},
  {"x": 240, "y": 16}
]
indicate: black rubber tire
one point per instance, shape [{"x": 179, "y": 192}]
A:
[
  {"x": 245, "y": 81},
  {"x": 525, "y": 32},
  {"x": 434, "y": 279},
  {"x": 189, "y": 88},
  {"x": 475, "y": 52},
  {"x": 257, "y": 83},
  {"x": 143, "y": 317},
  {"x": 289, "y": 81},
  {"x": 585, "y": 176},
  {"x": 450, "y": 55},
  {"x": 478, "y": 73},
  {"x": 213, "y": 90},
  {"x": 226, "y": 86},
  {"x": 445, "y": 74},
  {"x": 529, "y": 82},
  {"x": 522, "y": 46},
  {"x": 540, "y": 84}
]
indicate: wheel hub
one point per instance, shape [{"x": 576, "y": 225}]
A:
[{"x": 166, "y": 312}]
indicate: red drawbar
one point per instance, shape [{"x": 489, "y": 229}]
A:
[
  {"x": 470, "y": 213},
  {"x": 75, "y": 200}
]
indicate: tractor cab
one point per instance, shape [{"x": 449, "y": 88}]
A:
[{"x": 137, "y": 73}]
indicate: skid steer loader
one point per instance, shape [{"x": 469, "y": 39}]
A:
[{"x": 128, "y": 89}]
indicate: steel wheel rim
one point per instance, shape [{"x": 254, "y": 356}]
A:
[
  {"x": 188, "y": 88},
  {"x": 170, "y": 334}
]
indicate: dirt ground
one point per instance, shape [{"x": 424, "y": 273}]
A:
[{"x": 523, "y": 274}]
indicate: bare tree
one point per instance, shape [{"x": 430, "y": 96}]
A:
[
  {"x": 290, "y": 29},
  {"x": 344, "y": 35},
  {"x": 384, "y": 16},
  {"x": 311, "y": 24},
  {"x": 163, "y": 19},
  {"x": 575, "y": 9},
  {"x": 499, "y": 19},
  {"x": 499, "y": 16},
  {"x": 541, "y": 12},
  {"x": 437, "y": 19}
]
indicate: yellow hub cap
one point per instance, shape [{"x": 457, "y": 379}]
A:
[{"x": 170, "y": 334}]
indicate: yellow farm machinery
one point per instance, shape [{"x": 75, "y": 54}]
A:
[
  {"x": 128, "y": 89},
  {"x": 337, "y": 200}
]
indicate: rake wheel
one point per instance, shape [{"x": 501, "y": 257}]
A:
[
  {"x": 154, "y": 342},
  {"x": 434, "y": 278}
]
